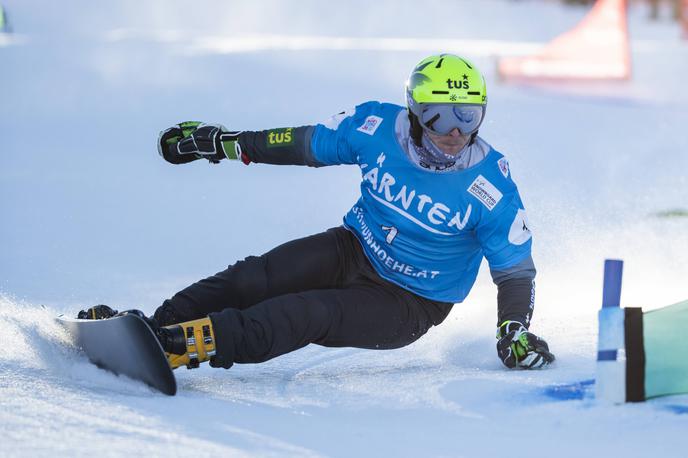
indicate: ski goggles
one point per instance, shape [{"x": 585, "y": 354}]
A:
[{"x": 442, "y": 118}]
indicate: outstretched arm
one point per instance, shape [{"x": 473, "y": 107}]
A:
[
  {"x": 192, "y": 140},
  {"x": 333, "y": 142}
]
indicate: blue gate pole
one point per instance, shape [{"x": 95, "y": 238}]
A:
[{"x": 610, "y": 383}]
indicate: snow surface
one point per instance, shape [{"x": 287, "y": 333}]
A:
[{"x": 91, "y": 214}]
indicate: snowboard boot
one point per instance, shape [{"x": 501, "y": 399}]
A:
[{"x": 189, "y": 343}]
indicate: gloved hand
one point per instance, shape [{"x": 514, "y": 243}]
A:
[
  {"x": 191, "y": 140},
  {"x": 102, "y": 312},
  {"x": 519, "y": 348},
  {"x": 97, "y": 312}
]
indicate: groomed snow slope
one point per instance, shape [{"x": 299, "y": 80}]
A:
[{"x": 91, "y": 214}]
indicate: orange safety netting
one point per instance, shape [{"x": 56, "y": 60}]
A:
[{"x": 596, "y": 49}]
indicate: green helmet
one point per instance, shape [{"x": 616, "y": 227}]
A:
[{"x": 443, "y": 92}]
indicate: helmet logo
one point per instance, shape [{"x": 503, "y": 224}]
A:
[{"x": 453, "y": 84}]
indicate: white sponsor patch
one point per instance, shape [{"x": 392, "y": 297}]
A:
[
  {"x": 519, "y": 233},
  {"x": 334, "y": 121},
  {"x": 485, "y": 192},
  {"x": 370, "y": 125},
  {"x": 503, "y": 167}
]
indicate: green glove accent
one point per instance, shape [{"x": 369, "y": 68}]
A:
[
  {"x": 517, "y": 347},
  {"x": 188, "y": 128},
  {"x": 230, "y": 148}
]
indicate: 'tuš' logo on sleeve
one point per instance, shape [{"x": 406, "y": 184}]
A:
[{"x": 280, "y": 137}]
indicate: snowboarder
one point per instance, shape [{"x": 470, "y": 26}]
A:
[{"x": 435, "y": 199}]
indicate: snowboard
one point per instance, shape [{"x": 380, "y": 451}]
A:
[{"x": 125, "y": 345}]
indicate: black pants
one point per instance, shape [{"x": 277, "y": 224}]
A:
[{"x": 320, "y": 289}]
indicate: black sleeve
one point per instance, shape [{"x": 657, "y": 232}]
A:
[
  {"x": 515, "y": 292},
  {"x": 286, "y": 146}
]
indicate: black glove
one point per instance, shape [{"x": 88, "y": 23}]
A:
[
  {"x": 102, "y": 312},
  {"x": 191, "y": 140},
  {"x": 519, "y": 348},
  {"x": 97, "y": 312}
]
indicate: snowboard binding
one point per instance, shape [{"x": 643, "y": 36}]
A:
[{"x": 189, "y": 343}]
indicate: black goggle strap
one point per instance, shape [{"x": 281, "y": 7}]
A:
[{"x": 432, "y": 121}]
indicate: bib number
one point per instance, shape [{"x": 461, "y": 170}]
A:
[{"x": 391, "y": 233}]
